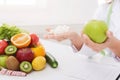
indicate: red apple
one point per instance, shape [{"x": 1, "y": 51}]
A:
[
  {"x": 3, "y": 45},
  {"x": 24, "y": 54},
  {"x": 34, "y": 39}
]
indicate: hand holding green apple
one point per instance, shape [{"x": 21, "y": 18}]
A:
[
  {"x": 99, "y": 46},
  {"x": 96, "y": 30}
]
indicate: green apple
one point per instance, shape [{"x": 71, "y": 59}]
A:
[
  {"x": 96, "y": 30},
  {"x": 3, "y": 59}
]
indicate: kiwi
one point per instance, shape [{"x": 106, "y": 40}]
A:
[
  {"x": 12, "y": 63},
  {"x": 25, "y": 66},
  {"x": 11, "y": 49}
]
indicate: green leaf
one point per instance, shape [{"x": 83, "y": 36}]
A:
[{"x": 7, "y": 31}]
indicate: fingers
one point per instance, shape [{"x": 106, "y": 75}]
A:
[
  {"x": 48, "y": 35},
  {"x": 88, "y": 41},
  {"x": 110, "y": 37},
  {"x": 48, "y": 29},
  {"x": 55, "y": 37},
  {"x": 94, "y": 46},
  {"x": 109, "y": 34}
]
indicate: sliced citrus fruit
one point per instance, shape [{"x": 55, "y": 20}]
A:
[{"x": 21, "y": 40}]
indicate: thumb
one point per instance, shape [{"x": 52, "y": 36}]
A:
[
  {"x": 109, "y": 34},
  {"x": 85, "y": 36}
]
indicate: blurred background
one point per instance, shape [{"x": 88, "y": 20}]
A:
[{"x": 36, "y": 15}]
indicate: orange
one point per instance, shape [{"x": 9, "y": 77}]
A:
[
  {"x": 21, "y": 40},
  {"x": 38, "y": 51}
]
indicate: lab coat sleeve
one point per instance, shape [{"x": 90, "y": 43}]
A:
[
  {"x": 88, "y": 52},
  {"x": 74, "y": 48}
]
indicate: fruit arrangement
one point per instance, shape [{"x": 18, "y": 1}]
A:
[{"x": 22, "y": 53}]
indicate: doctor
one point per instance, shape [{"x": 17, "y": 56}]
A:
[{"x": 111, "y": 45}]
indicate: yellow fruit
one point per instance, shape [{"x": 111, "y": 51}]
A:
[
  {"x": 39, "y": 63},
  {"x": 38, "y": 51},
  {"x": 21, "y": 40}
]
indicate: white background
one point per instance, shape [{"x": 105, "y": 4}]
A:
[{"x": 52, "y": 12}]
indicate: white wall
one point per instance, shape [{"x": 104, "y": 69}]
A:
[{"x": 56, "y": 12}]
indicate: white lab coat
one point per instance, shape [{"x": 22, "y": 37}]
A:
[{"x": 114, "y": 26}]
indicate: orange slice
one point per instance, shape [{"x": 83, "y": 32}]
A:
[{"x": 21, "y": 40}]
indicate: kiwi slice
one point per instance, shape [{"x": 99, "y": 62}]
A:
[
  {"x": 11, "y": 49},
  {"x": 25, "y": 66}
]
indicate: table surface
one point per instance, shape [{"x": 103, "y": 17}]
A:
[{"x": 65, "y": 57}]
